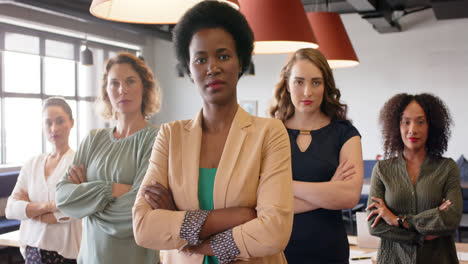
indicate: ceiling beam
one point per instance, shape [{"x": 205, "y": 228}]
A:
[
  {"x": 377, "y": 12},
  {"x": 448, "y": 9}
]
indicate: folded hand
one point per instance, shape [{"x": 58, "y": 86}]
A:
[
  {"x": 158, "y": 196},
  {"x": 381, "y": 210},
  {"x": 344, "y": 172},
  {"x": 77, "y": 174},
  {"x": 21, "y": 195}
]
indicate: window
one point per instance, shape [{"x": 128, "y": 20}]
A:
[
  {"x": 59, "y": 76},
  {"x": 22, "y": 72},
  {"x": 34, "y": 66},
  {"x": 23, "y": 128}
]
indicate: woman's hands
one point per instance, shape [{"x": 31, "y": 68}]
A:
[
  {"x": 48, "y": 218},
  {"x": 381, "y": 210},
  {"x": 445, "y": 205},
  {"x": 39, "y": 211},
  {"x": 21, "y": 195},
  {"x": 218, "y": 221},
  {"x": 344, "y": 172},
  {"x": 77, "y": 174},
  {"x": 119, "y": 189},
  {"x": 158, "y": 196},
  {"x": 202, "y": 249}
]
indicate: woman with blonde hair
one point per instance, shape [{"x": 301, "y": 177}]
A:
[
  {"x": 46, "y": 234},
  {"x": 110, "y": 164},
  {"x": 326, "y": 158}
]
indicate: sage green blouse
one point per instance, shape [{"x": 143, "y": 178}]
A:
[
  {"x": 437, "y": 179},
  {"x": 107, "y": 221}
]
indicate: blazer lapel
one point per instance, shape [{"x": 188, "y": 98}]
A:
[
  {"x": 231, "y": 151},
  {"x": 191, "y": 142}
]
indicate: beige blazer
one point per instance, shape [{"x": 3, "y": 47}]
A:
[{"x": 254, "y": 171}]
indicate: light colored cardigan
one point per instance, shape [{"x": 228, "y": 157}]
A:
[{"x": 254, "y": 171}]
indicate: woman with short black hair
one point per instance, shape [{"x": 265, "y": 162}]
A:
[{"x": 218, "y": 185}]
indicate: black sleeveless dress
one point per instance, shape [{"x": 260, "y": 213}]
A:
[{"x": 319, "y": 236}]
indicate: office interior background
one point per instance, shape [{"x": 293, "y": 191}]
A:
[{"x": 41, "y": 41}]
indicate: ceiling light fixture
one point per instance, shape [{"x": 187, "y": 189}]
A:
[
  {"x": 333, "y": 39},
  {"x": 145, "y": 11},
  {"x": 86, "y": 55},
  {"x": 279, "y": 26}
]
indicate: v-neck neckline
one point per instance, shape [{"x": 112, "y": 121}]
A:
[
  {"x": 46, "y": 180},
  {"x": 405, "y": 165}
]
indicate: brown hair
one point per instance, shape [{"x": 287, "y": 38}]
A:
[
  {"x": 437, "y": 116},
  {"x": 60, "y": 102},
  {"x": 151, "y": 101},
  {"x": 282, "y": 106}
]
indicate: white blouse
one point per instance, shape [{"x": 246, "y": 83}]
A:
[{"x": 63, "y": 237}]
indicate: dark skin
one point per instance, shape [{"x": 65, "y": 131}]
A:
[
  {"x": 413, "y": 125},
  {"x": 212, "y": 57},
  {"x": 217, "y": 221}
]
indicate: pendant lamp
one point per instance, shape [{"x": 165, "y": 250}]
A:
[
  {"x": 86, "y": 56},
  {"x": 279, "y": 26},
  {"x": 333, "y": 39},
  {"x": 145, "y": 11}
]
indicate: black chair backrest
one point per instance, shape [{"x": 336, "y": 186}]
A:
[{"x": 7, "y": 183}]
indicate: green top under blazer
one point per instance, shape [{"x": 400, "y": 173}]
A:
[
  {"x": 437, "y": 179},
  {"x": 206, "y": 178},
  {"x": 107, "y": 221}
]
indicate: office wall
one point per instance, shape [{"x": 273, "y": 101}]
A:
[{"x": 427, "y": 56}]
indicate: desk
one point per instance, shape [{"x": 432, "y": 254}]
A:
[
  {"x": 461, "y": 248},
  {"x": 10, "y": 239}
]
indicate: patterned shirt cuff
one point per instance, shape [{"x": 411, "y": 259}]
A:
[
  {"x": 191, "y": 226},
  {"x": 224, "y": 247}
]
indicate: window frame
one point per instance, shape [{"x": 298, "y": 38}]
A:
[{"x": 43, "y": 35}]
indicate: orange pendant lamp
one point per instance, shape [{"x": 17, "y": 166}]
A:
[
  {"x": 333, "y": 39},
  {"x": 279, "y": 26},
  {"x": 145, "y": 11}
]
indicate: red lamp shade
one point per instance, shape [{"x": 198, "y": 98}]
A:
[
  {"x": 333, "y": 39},
  {"x": 145, "y": 11},
  {"x": 279, "y": 26}
]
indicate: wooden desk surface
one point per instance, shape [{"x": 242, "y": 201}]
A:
[
  {"x": 10, "y": 239},
  {"x": 461, "y": 247}
]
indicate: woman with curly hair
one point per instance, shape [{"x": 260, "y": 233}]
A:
[
  {"x": 102, "y": 183},
  {"x": 218, "y": 185},
  {"x": 326, "y": 158},
  {"x": 415, "y": 202}
]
